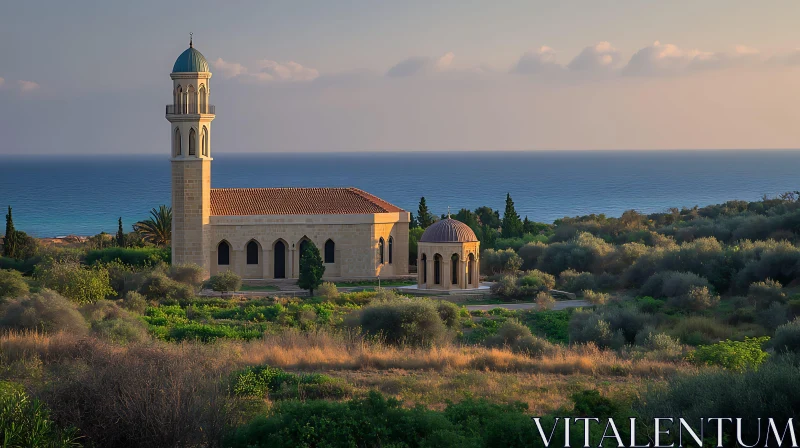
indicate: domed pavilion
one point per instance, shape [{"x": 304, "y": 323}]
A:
[{"x": 447, "y": 257}]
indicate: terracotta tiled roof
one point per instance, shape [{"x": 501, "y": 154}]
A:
[{"x": 296, "y": 201}]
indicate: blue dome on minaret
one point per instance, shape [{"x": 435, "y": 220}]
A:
[{"x": 190, "y": 61}]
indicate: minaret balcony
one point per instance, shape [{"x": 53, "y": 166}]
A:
[{"x": 190, "y": 109}]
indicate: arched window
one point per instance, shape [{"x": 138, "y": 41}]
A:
[
  {"x": 204, "y": 141},
  {"x": 437, "y": 269},
  {"x": 424, "y": 267},
  {"x": 391, "y": 243},
  {"x": 203, "y": 105},
  {"x": 192, "y": 142},
  {"x": 177, "y": 142},
  {"x": 191, "y": 100},
  {"x": 454, "y": 268},
  {"x": 252, "y": 252},
  {"x": 223, "y": 254},
  {"x": 179, "y": 100},
  {"x": 330, "y": 249},
  {"x": 381, "y": 245}
]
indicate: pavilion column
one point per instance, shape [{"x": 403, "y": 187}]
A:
[{"x": 463, "y": 274}]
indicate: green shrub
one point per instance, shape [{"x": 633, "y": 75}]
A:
[
  {"x": 518, "y": 337},
  {"x": 787, "y": 337},
  {"x": 24, "y": 266},
  {"x": 73, "y": 281},
  {"x": 732, "y": 355},
  {"x": 672, "y": 284},
  {"x": 133, "y": 301},
  {"x": 544, "y": 301},
  {"x": 189, "y": 274},
  {"x": 629, "y": 321},
  {"x": 589, "y": 403},
  {"x": 763, "y": 294},
  {"x": 448, "y": 312},
  {"x": 700, "y": 330},
  {"x": 260, "y": 381},
  {"x": 648, "y": 304},
  {"x": 225, "y": 281},
  {"x": 12, "y": 284},
  {"x": 506, "y": 287},
  {"x": 552, "y": 325},
  {"x": 413, "y": 322},
  {"x": 25, "y": 422},
  {"x": 109, "y": 321},
  {"x": 328, "y": 291},
  {"x": 697, "y": 299},
  {"x": 46, "y": 311},
  {"x": 158, "y": 287},
  {"x": 574, "y": 281},
  {"x": 132, "y": 256},
  {"x": 534, "y": 281},
  {"x": 587, "y": 327},
  {"x": 595, "y": 298}
]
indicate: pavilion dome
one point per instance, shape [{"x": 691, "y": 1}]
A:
[
  {"x": 448, "y": 231},
  {"x": 190, "y": 61}
]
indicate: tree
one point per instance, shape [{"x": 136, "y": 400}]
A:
[
  {"x": 158, "y": 228},
  {"x": 9, "y": 242},
  {"x": 120, "y": 234},
  {"x": 73, "y": 281},
  {"x": 311, "y": 268},
  {"x": 412, "y": 221},
  {"x": 424, "y": 216},
  {"x": 512, "y": 225}
]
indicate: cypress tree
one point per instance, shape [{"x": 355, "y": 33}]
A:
[
  {"x": 311, "y": 268},
  {"x": 10, "y": 240},
  {"x": 424, "y": 216},
  {"x": 512, "y": 225},
  {"x": 120, "y": 234}
]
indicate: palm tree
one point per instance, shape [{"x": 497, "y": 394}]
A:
[{"x": 158, "y": 228}]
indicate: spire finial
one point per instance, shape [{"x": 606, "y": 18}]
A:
[
  {"x": 448, "y": 212},
  {"x": 190, "y": 40}
]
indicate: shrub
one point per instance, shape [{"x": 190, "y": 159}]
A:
[
  {"x": 763, "y": 294},
  {"x": 506, "y": 287},
  {"x": 544, "y": 301},
  {"x": 574, "y": 281},
  {"x": 595, "y": 298},
  {"x": 46, "y": 311},
  {"x": 109, "y": 321},
  {"x": 495, "y": 262},
  {"x": 585, "y": 327},
  {"x": 12, "y": 284},
  {"x": 652, "y": 340},
  {"x": 697, "y": 299},
  {"x": 159, "y": 287},
  {"x": 672, "y": 284},
  {"x": 732, "y": 355},
  {"x": 415, "y": 322},
  {"x": 131, "y": 256},
  {"x": 516, "y": 336},
  {"x": 698, "y": 330},
  {"x": 385, "y": 295},
  {"x": 225, "y": 282},
  {"x": 133, "y": 301},
  {"x": 589, "y": 403},
  {"x": 328, "y": 291},
  {"x": 530, "y": 254},
  {"x": 627, "y": 321},
  {"x": 448, "y": 312},
  {"x": 24, "y": 421},
  {"x": 648, "y": 304},
  {"x": 774, "y": 316},
  {"x": 787, "y": 337},
  {"x": 536, "y": 280},
  {"x": 70, "y": 279},
  {"x": 189, "y": 274}
]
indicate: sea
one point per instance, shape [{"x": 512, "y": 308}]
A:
[{"x": 54, "y": 196}]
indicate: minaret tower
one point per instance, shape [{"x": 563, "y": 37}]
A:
[{"x": 190, "y": 116}]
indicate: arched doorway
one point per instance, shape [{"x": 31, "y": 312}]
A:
[
  {"x": 423, "y": 264},
  {"x": 437, "y": 269},
  {"x": 279, "y": 261},
  {"x": 454, "y": 265}
]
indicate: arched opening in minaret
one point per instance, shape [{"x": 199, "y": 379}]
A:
[
  {"x": 203, "y": 100},
  {"x": 179, "y": 100},
  {"x": 204, "y": 142},
  {"x": 192, "y": 142},
  {"x": 177, "y": 142},
  {"x": 191, "y": 100},
  {"x": 279, "y": 260}
]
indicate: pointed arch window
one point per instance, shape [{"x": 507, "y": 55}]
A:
[
  {"x": 192, "y": 142},
  {"x": 203, "y": 106},
  {"x": 381, "y": 245},
  {"x": 454, "y": 261},
  {"x": 204, "y": 141},
  {"x": 330, "y": 250},
  {"x": 252, "y": 252},
  {"x": 223, "y": 254},
  {"x": 391, "y": 246},
  {"x": 177, "y": 141}
]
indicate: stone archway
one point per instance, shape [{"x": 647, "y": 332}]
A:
[{"x": 279, "y": 260}]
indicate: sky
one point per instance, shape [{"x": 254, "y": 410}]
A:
[{"x": 92, "y": 77}]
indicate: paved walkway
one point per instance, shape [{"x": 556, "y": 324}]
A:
[{"x": 560, "y": 305}]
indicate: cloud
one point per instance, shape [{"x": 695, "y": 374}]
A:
[
  {"x": 229, "y": 69},
  {"x": 668, "y": 59},
  {"x": 599, "y": 57},
  {"x": 284, "y": 71},
  {"x": 419, "y": 65},
  {"x": 27, "y": 86},
  {"x": 542, "y": 60}
]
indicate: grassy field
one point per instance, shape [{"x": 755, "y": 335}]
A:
[{"x": 248, "y": 288}]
